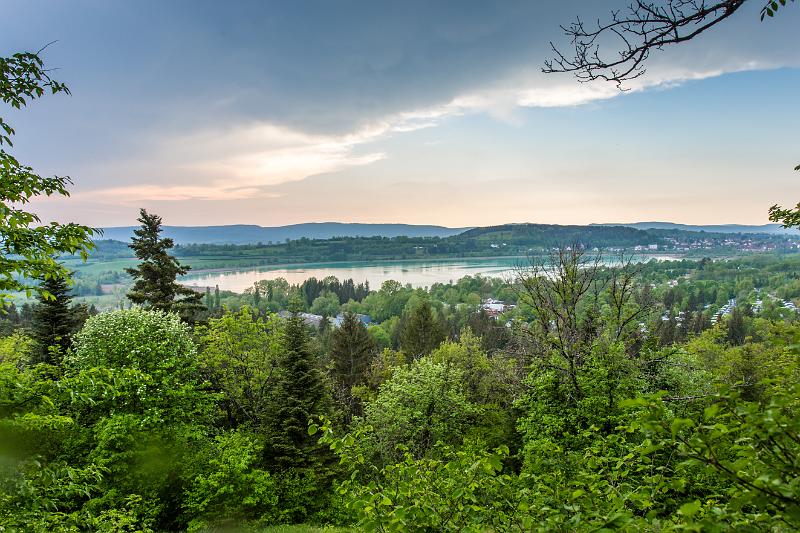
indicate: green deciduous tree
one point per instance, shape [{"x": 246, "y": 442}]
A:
[
  {"x": 155, "y": 285},
  {"x": 420, "y": 405},
  {"x": 326, "y": 304},
  {"x": 789, "y": 218},
  {"x": 135, "y": 391},
  {"x": 28, "y": 250},
  {"x": 231, "y": 489},
  {"x": 240, "y": 354}
]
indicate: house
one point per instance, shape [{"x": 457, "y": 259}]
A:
[
  {"x": 365, "y": 319},
  {"x": 494, "y": 308},
  {"x": 309, "y": 319}
]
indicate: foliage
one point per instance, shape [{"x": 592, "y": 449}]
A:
[
  {"x": 16, "y": 349},
  {"x": 302, "y": 391},
  {"x": 240, "y": 355},
  {"x": 28, "y": 250},
  {"x": 326, "y": 304},
  {"x": 53, "y": 322},
  {"x": 456, "y": 491},
  {"x": 231, "y": 490},
  {"x": 154, "y": 283},
  {"x": 419, "y": 406},
  {"x": 421, "y": 331},
  {"x": 751, "y": 446},
  {"x": 771, "y": 7},
  {"x": 567, "y": 413}
]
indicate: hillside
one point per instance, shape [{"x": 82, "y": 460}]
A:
[
  {"x": 492, "y": 241},
  {"x": 252, "y": 234},
  {"x": 769, "y": 229}
]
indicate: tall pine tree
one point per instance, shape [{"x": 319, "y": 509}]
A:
[
  {"x": 300, "y": 394},
  {"x": 53, "y": 321},
  {"x": 422, "y": 332},
  {"x": 351, "y": 352},
  {"x": 154, "y": 284}
]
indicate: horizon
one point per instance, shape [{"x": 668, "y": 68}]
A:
[
  {"x": 468, "y": 226},
  {"x": 277, "y": 114}
]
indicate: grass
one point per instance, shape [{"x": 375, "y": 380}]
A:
[{"x": 306, "y": 529}]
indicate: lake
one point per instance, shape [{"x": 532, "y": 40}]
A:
[{"x": 423, "y": 273}]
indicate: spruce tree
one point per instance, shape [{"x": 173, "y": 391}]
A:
[
  {"x": 300, "y": 394},
  {"x": 351, "y": 352},
  {"x": 422, "y": 332},
  {"x": 53, "y": 321},
  {"x": 154, "y": 284}
]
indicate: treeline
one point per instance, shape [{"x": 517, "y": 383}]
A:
[{"x": 515, "y": 239}]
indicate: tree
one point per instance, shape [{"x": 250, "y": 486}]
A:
[
  {"x": 421, "y": 404},
  {"x": 239, "y": 355},
  {"x": 53, "y": 321},
  {"x": 134, "y": 391},
  {"x": 256, "y": 296},
  {"x": 28, "y": 250},
  {"x": 576, "y": 302},
  {"x": 300, "y": 394},
  {"x": 422, "y": 332},
  {"x": 645, "y": 26},
  {"x": 790, "y": 218},
  {"x": 351, "y": 353},
  {"x": 736, "y": 327},
  {"x": 326, "y": 304},
  {"x": 154, "y": 284}
]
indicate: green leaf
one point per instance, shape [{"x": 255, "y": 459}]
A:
[{"x": 690, "y": 509}]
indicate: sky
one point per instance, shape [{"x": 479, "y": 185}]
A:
[{"x": 420, "y": 112}]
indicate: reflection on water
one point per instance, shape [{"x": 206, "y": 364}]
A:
[{"x": 417, "y": 273}]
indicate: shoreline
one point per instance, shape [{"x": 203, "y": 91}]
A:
[{"x": 334, "y": 264}]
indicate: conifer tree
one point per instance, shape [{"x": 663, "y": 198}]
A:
[
  {"x": 351, "y": 352},
  {"x": 422, "y": 333},
  {"x": 300, "y": 394},
  {"x": 53, "y": 321},
  {"x": 154, "y": 284}
]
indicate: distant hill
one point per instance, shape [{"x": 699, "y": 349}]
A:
[
  {"x": 251, "y": 234},
  {"x": 549, "y": 235},
  {"x": 769, "y": 229}
]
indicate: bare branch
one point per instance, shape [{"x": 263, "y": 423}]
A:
[{"x": 645, "y": 26}]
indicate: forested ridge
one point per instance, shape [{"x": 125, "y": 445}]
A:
[{"x": 511, "y": 239}]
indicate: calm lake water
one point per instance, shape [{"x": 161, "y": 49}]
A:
[{"x": 417, "y": 273}]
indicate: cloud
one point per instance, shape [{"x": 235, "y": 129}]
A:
[
  {"x": 248, "y": 160},
  {"x": 195, "y": 100}
]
